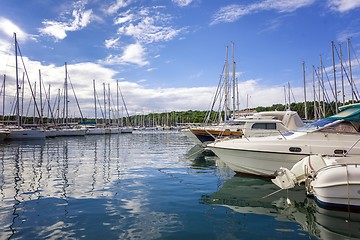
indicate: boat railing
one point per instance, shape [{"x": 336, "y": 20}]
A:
[{"x": 352, "y": 146}]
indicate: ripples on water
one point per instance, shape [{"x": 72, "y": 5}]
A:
[{"x": 144, "y": 185}]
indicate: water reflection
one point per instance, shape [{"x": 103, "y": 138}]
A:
[
  {"x": 250, "y": 195},
  {"x": 95, "y": 186}
]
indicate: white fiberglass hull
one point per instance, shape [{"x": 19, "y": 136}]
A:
[
  {"x": 21, "y": 134},
  {"x": 337, "y": 185},
  {"x": 264, "y": 155},
  {"x": 71, "y": 132},
  {"x": 126, "y": 130},
  {"x": 95, "y": 131}
]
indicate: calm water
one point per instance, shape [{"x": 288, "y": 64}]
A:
[{"x": 147, "y": 186}]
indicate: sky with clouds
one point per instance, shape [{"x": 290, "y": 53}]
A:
[{"x": 168, "y": 55}]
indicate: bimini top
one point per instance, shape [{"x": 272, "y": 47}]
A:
[{"x": 347, "y": 114}]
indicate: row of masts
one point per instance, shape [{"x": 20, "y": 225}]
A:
[
  {"x": 319, "y": 89},
  {"x": 53, "y": 112}
]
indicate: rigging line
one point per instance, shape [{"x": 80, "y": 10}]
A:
[
  {"x": 292, "y": 93},
  {"x": 328, "y": 80},
  {"x": 325, "y": 94},
  {"x": 28, "y": 79},
  {"x": 354, "y": 53},
  {"x": 76, "y": 99},
  {"x": 215, "y": 96},
  {"x": 48, "y": 102},
  {"x": 344, "y": 64},
  {"x": 127, "y": 113},
  {"x": 101, "y": 110}
]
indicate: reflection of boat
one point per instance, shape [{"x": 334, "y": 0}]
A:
[
  {"x": 246, "y": 195},
  {"x": 200, "y": 157},
  {"x": 253, "y": 195},
  {"x": 190, "y": 135},
  {"x": 4, "y": 133},
  {"x": 265, "y": 155},
  {"x": 333, "y": 181}
]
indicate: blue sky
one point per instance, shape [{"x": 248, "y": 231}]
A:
[{"x": 169, "y": 54}]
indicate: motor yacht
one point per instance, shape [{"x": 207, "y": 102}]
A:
[{"x": 333, "y": 136}]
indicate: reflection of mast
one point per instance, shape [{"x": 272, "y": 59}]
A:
[{"x": 17, "y": 185}]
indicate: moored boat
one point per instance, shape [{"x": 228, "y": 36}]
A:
[
  {"x": 333, "y": 181},
  {"x": 334, "y": 135},
  {"x": 24, "y": 133}
]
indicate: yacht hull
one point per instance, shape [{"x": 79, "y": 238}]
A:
[{"x": 265, "y": 155}]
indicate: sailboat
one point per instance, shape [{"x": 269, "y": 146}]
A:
[
  {"x": 18, "y": 132},
  {"x": 94, "y": 129},
  {"x": 67, "y": 129}
]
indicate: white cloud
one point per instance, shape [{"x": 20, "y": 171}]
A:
[
  {"x": 147, "y": 25},
  {"x": 182, "y": 3},
  {"x": 233, "y": 12},
  {"x": 343, "y": 5},
  {"x": 117, "y": 5},
  {"x": 8, "y": 28},
  {"x": 112, "y": 43},
  {"x": 58, "y": 29},
  {"x": 132, "y": 54}
]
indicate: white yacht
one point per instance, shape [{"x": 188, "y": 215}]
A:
[
  {"x": 25, "y": 133},
  {"x": 334, "y": 135}
]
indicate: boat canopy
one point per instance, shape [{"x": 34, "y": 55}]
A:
[
  {"x": 347, "y": 120},
  {"x": 349, "y": 113}
]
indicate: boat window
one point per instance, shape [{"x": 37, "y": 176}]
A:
[
  {"x": 339, "y": 152},
  {"x": 264, "y": 126},
  {"x": 295, "y": 149}
]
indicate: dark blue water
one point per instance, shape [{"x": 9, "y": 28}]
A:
[{"x": 147, "y": 185}]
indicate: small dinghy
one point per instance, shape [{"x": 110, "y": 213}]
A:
[{"x": 333, "y": 181}]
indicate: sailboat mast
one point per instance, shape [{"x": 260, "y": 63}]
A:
[
  {"x": 350, "y": 71},
  {"x": 234, "y": 81},
  {"x": 95, "y": 101},
  {"x": 66, "y": 96},
  {"x": 334, "y": 73},
  {"x": 3, "y": 107},
  {"x": 17, "y": 83},
  {"x": 314, "y": 91},
  {"x": 226, "y": 90},
  {"x": 117, "y": 102},
  {"x": 342, "y": 75},
  {"x": 109, "y": 107},
  {"x": 305, "y": 103},
  {"x": 104, "y": 104}
]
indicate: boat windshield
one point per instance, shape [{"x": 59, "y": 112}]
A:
[{"x": 317, "y": 125}]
